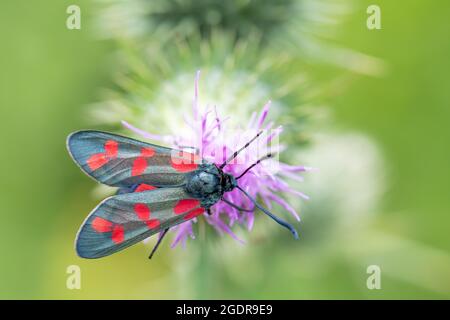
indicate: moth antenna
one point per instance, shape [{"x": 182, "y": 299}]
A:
[
  {"x": 158, "y": 242},
  {"x": 237, "y": 207},
  {"x": 270, "y": 214},
  {"x": 234, "y": 155},
  {"x": 267, "y": 156}
]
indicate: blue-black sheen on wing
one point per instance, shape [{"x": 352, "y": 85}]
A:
[
  {"x": 123, "y": 162},
  {"x": 123, "y": 220}
]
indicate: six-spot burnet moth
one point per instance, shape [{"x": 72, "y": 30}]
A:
[{"x": 159, "y": 188}]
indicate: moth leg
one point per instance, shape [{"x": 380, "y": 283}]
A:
[
  {"x": 237, "y": 207},
  {"x": 158, "y": 242}
]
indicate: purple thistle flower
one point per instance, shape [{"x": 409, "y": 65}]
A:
[{"x": 214, "y": 142}]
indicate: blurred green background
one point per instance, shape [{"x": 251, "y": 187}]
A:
[{"x": 49, "y": 74}]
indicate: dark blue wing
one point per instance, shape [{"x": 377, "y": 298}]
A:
[
  {"x": 123, "y": 220},
  {"x": 123, "y": 162}
]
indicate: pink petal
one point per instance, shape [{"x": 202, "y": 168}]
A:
[
  {"x": 263, "y": 114},
  {"x": 145, "y": 134}
]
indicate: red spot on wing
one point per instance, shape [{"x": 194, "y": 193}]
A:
[
  {"x": 100, "y": 159},
  {"x": 147, "y": 152},
  {"x": 184, "y": 167},
  {"x": 142, "y": 211},
  {"x": 118, "y": 234},
  {"x": 111, "y": 149},
  {"x": 194, "y": 213},
  {"x": 139, "y": 166},
  {"x": 140, "y": 163},
  {"x": 96, "y": 161},
  {"x": 101, "y": 225},
  {"x": 144, "y": 187},
  {"x": 184, "y": 161},
  {"x": 185, "y": 205},
  {"x": 153, "y": 223}
]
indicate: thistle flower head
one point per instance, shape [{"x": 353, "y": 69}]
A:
[
  {"x": 139, "y": 18},
  {"x": 302, "y": 28},
  {"x": 213, "y": 138}
]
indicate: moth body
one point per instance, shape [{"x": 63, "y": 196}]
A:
[{"x": 208, "y": 183}]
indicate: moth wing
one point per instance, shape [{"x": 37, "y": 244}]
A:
[
  {"x": 119, "y": 161},
  {"x": 123, "y": 220}
]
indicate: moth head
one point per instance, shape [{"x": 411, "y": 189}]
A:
[{"x": 229, "y": 182}]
